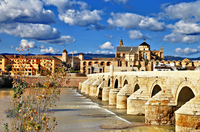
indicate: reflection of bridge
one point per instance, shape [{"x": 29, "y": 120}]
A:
[{"x": 164, "y": 97}]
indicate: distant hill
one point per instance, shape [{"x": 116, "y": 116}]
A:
[
  {"x": 90, "y": 56},
  {"x": 176, "y": 58}
]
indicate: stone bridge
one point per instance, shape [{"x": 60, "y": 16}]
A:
[{"x": 164, "y": 97}]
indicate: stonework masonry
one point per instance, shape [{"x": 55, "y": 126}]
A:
[{"x": 164, "y": 97}]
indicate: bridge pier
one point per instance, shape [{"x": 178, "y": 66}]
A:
[
  {"x": 80, "y": 85},
  {"x": 136, "y": 102},
  {"x": 99, "y": 90},
  {"x": 83, "y": 87},
  {"x": 113, "y": 96},
  {"x": 105, "y": 93},
  {"x": 159, "y": 109},
  {"x": 188, "y": 116},
  {"x": 88, "y": 84},
  {"x": 122, "y": 96},
  {"x": 93, "y": 87}
]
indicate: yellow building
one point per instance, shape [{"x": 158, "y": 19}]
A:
[
  {"x": 38, "y": 64},
  {"x": 29, "y": 65}
]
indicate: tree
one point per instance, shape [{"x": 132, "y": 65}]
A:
[
  {"x": 157, "y": 62},
  {"x": 138, "y": 66},
  {"x": 30, "y": 111},
  {"x": 146, "y": 61},
  {"x": 8, "y": 68}
]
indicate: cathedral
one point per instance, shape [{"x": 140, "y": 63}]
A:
[{"x": 139, "y": 58}]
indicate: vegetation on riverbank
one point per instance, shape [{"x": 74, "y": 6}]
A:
[{"x": 30, "y": 104}]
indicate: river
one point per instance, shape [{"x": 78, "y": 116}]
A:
[{"x": 78, "y": 113}]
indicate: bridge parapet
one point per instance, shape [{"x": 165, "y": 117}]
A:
[{"x": 177, "y": 74}]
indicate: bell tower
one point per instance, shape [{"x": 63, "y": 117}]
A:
[
  {"x": 121, "y": 43},
  {"x": 81, "y": 56},
  {"x": 64, "y": 56}
]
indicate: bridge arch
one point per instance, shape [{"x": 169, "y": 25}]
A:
[
  {"x": 184, "y": 96},
  {"x": 109, "y": 82},
  {"x": 155, "y": 90},
  {"x": 116, "y": 84},
  {"x": 125, "y": 82},
  {"x": 136, "y": 87},
  {"x": 185, "y": 88},
  {"x": 151, "y": 88}
]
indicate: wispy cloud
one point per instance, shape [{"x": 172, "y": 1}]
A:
[
  {"x": 109, "y": 36},
  {"x": 117, "y": 1},
  {"x": 136, "y": 34}
]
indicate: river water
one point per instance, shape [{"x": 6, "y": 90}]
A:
[{"x": 78, "y": 113}]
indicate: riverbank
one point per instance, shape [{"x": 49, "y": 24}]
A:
[
  {"x": 132, "y": 123},
  {"x": 79, "y": 113}
]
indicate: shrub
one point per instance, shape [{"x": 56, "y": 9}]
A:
[
  {"x": 30, "y": 104},
  {"x": 8, "y": 68}
]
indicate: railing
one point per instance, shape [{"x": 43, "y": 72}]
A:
[{"x": 182, "y": 74}]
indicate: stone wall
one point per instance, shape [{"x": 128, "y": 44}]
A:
[
  {"x": 159, "y": 94},
  {"x": 66, "y": 82}
]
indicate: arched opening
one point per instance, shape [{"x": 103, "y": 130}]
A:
[
  {"x": 102, "y": 63},
  {"x": 156, "y": 89},
  {"x": 108, "y": 63},
  {"x": 100, "y": 71},
  {"x": 103, "y": 79},
  {"x": 96, "y": 62},
  {"x": 136, "y": 88},
  {"x": 184, "y": 96},
  {"x": 109, "y": 83},
  {"x": 125, "y": 82},
  {"x": 116, "y": 83},
  {"x": 90, "y": 63},
  {"x": 88, "y": 70},
  {"x": 84, "y": 63}
]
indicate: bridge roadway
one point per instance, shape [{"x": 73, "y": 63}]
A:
[{"x": 164, "y": 97}]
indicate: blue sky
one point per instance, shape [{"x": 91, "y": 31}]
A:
[{"x": 96, "y": 26}]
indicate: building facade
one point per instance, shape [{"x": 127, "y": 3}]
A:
[
  {"x": 29, "y": 65},
  {"x": 138, "y": 58}
]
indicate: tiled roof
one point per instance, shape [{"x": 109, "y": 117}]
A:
[
  {"x": 2, "y": 56},
  {"x": 32, "y": 57},
  {"x": 64, "y": 50},
  {"x": 126, "y": 48}
]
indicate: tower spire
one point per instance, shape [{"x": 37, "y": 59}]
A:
[{"x": 121, "y": 42}]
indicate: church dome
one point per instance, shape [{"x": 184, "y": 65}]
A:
[{"x": 144, "y": 44}]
